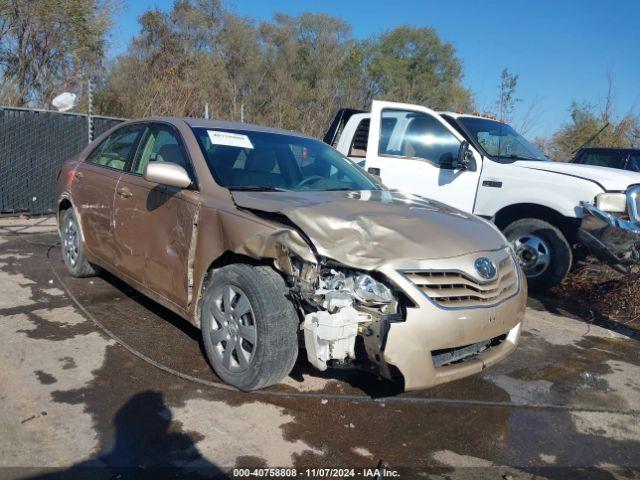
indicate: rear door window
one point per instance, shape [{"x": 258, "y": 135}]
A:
[
  {"x": 115, "y": 150},
  {"x": 361, "y": 136}
]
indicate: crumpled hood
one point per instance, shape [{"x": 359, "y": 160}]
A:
[
  {"x": 365, "y": 229},
  {"x": 611, "y": 179}
]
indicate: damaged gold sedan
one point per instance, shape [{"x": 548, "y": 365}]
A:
[{"x": 268, "y": 240}]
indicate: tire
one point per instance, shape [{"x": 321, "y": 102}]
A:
[
  {"x": 543, "y": 251},
  {"x": 267, "y": 312},
  {"x": 73, "y": 251}
]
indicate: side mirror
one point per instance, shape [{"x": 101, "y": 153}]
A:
[
  {"x": 167, "y": 173},
  {"x": 465, "y": 156}
]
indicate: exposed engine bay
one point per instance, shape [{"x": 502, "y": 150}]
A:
[{"x": 342, "y": 305}]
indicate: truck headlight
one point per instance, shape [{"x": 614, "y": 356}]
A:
[
  {"x": 612, "y": 202},
  {"x": 368, "y": 290},
  {"x": 633, "y": 203}
]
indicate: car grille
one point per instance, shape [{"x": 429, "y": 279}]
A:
[
  {"x": 449, "y": 356},
  {"x": 456, "y": 289}
]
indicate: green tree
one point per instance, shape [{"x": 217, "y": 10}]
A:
[
  {"x": 414, "y": 65},
  {"x": 48, "y": 46},
  {"x": 586, "y": 122}
]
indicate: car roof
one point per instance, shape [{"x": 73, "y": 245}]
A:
[{"x": 204, "y": 123}]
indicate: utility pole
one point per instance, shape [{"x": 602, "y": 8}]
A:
[
  {"x": 242, "y": 112},
  {"x": 206, "y": 110},
  {"x": 89, "y": 111}
]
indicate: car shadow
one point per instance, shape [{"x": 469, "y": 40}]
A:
[{"x": 146, "y": 445}]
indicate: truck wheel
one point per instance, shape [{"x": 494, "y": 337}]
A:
[
  {"x": 72, "y": 247},
  {"x": 543, "y": 251},
  {"x": 249, "y": 327}
]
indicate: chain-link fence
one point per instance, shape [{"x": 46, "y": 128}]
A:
[{"x": 33, "y": 145}]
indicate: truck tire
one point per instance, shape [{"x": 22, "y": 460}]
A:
[
  {"x": 73, "y": 252},
  {"x": 249, "y": 326},
  {"x": 543, "y": 251}
]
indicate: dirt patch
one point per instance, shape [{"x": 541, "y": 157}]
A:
[{"x": 600, "y": 291}]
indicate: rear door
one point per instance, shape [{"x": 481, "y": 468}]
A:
[
  {"x": 154, "y": 223},
  {"x": 94, "y": 186},
  {"x": 409, "y": 146}
]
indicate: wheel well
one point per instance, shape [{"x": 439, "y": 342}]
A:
[
  {"x": 568, "y": 226},
  {"x": 63, "y": 206},
  {"x": 227, "y": 258}
]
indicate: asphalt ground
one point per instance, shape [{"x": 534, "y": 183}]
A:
[{"x": 96, "y": 380}]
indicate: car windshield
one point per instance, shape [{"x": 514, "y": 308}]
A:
[
  {"x": 249, "y": 160},
  {"x": 500, "y": 140}
]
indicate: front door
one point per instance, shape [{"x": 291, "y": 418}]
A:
[
  {"x": 154, "y": 223},
  {"x": 412, "y": 147}
]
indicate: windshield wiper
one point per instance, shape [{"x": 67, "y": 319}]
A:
[
  {"x": 249, "y": 188},
  {"x": 518, "y": 157}
]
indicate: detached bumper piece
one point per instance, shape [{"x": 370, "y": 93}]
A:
[{"x": 609, "y": 238}]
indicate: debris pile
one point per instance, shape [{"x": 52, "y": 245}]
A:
[{"x": 605, "y": 292}]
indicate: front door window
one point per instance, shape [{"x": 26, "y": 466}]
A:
[{"x": 411, "y": 134}]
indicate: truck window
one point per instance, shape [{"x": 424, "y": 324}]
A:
[
  {"x": 358, "y": 147},
  {"x": 633, "y": 163},
  {"x": 410, "y": 134},
  {"x": 613, "y": 159}
]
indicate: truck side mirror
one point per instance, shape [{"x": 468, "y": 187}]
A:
[{"x": 465, "y": 157}]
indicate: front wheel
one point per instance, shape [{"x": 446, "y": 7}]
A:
[
  {"x": 543, "y": 252},
  {"x": 249, "y": 326},
  {"x": 73, "y": 251}
]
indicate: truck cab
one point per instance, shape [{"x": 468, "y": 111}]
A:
[{"x": 552, "y": 213}]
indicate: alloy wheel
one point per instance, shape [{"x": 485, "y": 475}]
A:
[
  {"x": 71, "y": 242},
  {"x": 233, "y": 330}
]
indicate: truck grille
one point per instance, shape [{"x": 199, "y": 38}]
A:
[{"x": 456, "y": 289}]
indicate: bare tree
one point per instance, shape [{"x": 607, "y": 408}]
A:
[
  {"x": 507, "y": 100},
  {"x": 49, "y": 45}
]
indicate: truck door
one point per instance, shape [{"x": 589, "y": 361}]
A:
[{"x": 414, "y": 150}]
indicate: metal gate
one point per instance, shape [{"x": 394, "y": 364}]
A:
[{"x": 33, "y": 145}]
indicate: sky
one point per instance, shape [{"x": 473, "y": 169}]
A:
[{"x": 561, "y": 50}]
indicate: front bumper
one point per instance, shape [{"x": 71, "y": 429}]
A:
[
  {"x": 413, "y": 345},
  {"x": 610, "y": 239}
]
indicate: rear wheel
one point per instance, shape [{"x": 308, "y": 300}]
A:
[
  {"x": 249, "y": 327},
  {"x": 73, "y": 251},
  {"x": 543, "y": 251}
]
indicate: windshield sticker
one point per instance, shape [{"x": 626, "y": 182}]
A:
[{"x": 229, "y": 139}]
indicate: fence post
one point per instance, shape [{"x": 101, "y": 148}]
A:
[{"x": 89, "y": 111}]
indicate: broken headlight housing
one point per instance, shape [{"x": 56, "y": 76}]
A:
[
  {"x": 612, "y": 202},
  {"x": 360, "y": 286},
  {"x": 370, "y": 291}
]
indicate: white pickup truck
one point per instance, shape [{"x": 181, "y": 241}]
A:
[{"x": 553, "y": 213}]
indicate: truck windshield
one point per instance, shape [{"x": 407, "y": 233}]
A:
[
  {"x": 249, "y": 160},
  {"x": 500, "y": 140}
]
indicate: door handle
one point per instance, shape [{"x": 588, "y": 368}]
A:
[{"x": 124, "y": 192}]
